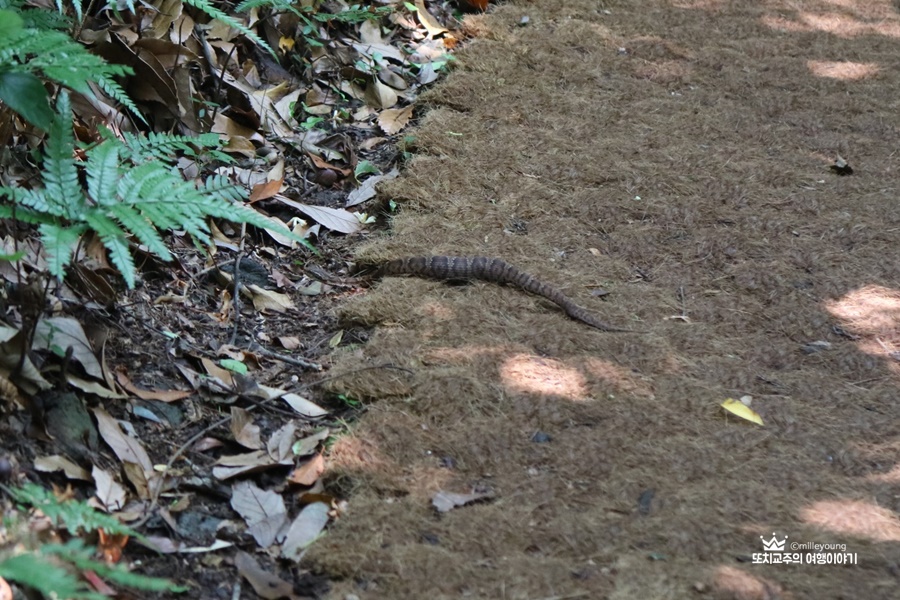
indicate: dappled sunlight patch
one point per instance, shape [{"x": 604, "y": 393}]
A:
[
  {"x": 854, "y": 517},
  {"x": 356, "y": 454},
  {"x": 843, "y": 70},
  {"x": 620, "y": 378},
  {"x": 892, "y": 476},
  {"x": 536, "y": 375},
  {"x": 841, "y": 25},
  {"x": 462, "y": 355},
  {"x": 698, "y": 4},
  {"x": 871, "y": 310},
  {"x": 438, "y": 310},
  {"x": 731, "y": 582}
]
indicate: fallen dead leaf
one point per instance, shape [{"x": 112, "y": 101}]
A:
[
  {"x": 309, "y": 472},
  {"x": 50, "y": 464},
  {"x": 263, "y": 511},
  {"x": 393, "y": 120},
  {"x": 305, "y": 529},
  {"x": 245, "y": 432},
  {"x": 265, "y": 584},
  {"x": 160, "y": 395}
]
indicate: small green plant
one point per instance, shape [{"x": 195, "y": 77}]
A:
[
  {"x": 133, "y": 189},
  {"x": 349, "y": 401},
  {"x": 52, "y": 569},
  {"x": 311, "y": 19},
  {"x": 33, "y": 47}
]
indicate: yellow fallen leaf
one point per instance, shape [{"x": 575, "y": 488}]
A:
[{"x": 736, "y": 407}]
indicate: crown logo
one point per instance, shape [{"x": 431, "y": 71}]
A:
[{"x": 773, "y": 545}]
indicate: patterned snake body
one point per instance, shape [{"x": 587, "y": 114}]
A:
[{"x": 488, "y": 269}]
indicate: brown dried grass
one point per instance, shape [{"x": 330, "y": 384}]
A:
[{"x": 723, "y": 117}]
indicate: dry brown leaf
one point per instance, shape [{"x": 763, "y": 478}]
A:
[
  {"x": 125, "y": 447},
  {"x": 160, "y": 395},
  {"x": 63, "y": 333},
  {"x": 383, "y": 50},
  {"x": 428, "y": 21},
  {"x": 309, "y": 472},
  {"x": 236, "y": 144},
  {"x": 245, "y": 432},
  {"x": 109, "y": 493},
  {"x": 304, "y": 407},
  {"x": 289, "y": 342},
  {"x": 268, "y": 300},
  {"x": 309, "y": 444},
  {"x": 225, "y": 377},
  {"x": 379, "y": 95},
  {"x": 231, "y": 128},
  {"x": 305, "y": 529},
  {"x": 367, "y": 190},
  {"x": 265, "y": 584},
  {"x": 262, "y": 510},
  {"x": 93, "y": 387},
  {"x": 280, "y": 444},
  {"x": 50, "y": 464},
  {"x": 393, "y": 120},
  {"x": 335, "y": 219}
]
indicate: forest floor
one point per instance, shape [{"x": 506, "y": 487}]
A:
[
  {"x": 667, "y": 163},
  {"x": 718, "y": 175}
]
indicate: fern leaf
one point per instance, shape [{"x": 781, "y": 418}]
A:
[
  {"x": 62, "y": 189},
  {"x": 113, "y": 238},
  {"x": 142, "y": 228},
  {"x": 276, "y": 5},
  {"x": 33, "y": 199},
  {"x": 117, "y": 93},
  {"x": 28, "y": 206},
  {"x": 59, "y": 245},
  {"x": 220, "y": 187},
  {"x": 37, "y": 572},
  {"x": 103, "y": 174},
  {"x": 207, "y": 7}
]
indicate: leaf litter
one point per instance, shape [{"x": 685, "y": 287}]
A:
[{"x": 325, "y": 123}]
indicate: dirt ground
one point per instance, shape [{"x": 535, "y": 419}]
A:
[{"x": 667, "y": 164}]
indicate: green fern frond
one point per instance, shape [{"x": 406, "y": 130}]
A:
[
  {"x": 52, "y": 580},
  {"x": 276, "y": 5},
  {"x": 142, "y": 228},
  {"x": 21, "y": 212},
  {"x": 28, "y": 199},
  {"x": 161, "y": 146},
  {"x": 52, "y": 569},
  {"x": 59, "y": 245},
  {"x": 103, "y": 173},
  {"x": 76, "y": 516},
  {"x": 117, "y": 93},
  {"x": 126, "y": 197},
  {"x": 62, "y": 190},
  {"x": 56, "y": 56},
  {"x": 81, "y": 557},
  {"x": 116, "y": 243},
  {"x": 207, "y": 7},
  {"x": 37, "y": 18}
]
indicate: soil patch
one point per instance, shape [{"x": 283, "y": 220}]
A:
[{"x": 666, "y": 164}]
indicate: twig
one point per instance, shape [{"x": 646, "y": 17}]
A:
[{"x": 297, "y": 362}]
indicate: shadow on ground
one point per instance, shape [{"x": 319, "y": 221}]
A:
[{"x": 675, "y": 157}]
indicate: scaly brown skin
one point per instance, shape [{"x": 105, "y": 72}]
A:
[{"x": 488, "y": 269}]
